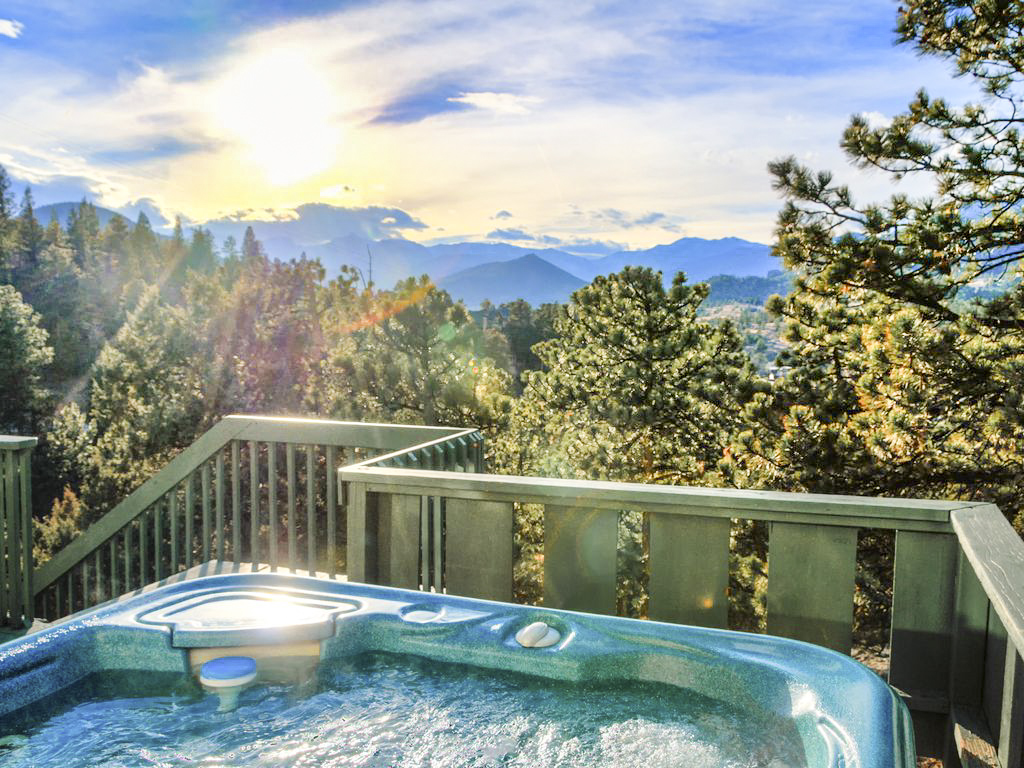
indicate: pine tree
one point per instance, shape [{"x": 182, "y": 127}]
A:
[
  {"x": 906, "y": 377},
  {"x": 30, "y": 233},
  {"x": 7, "y": 224},
  {"x": 24, "y": 355}
]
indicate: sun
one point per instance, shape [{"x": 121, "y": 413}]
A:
[{"x": 280, "y": 107}]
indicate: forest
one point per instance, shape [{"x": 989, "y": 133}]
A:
[{"x": 903, "y": 324}]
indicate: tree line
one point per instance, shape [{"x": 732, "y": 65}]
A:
[{"x": 904, "y": 324}]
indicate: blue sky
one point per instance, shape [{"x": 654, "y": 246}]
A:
[{"x": 586, "y": 122}]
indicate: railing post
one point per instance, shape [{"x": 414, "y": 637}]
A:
[{"x": 17, "y": 598}]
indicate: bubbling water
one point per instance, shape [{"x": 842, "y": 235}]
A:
[{"x": 382, "y": 711}]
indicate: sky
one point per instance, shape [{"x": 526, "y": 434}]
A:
[{"x": 585, "y": 125}]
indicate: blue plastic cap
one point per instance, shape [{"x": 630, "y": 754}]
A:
[{"x": 228, "y": 668}]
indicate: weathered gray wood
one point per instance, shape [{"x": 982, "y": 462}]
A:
[
  {"x": 13, "y": 536},
  {"x": 272, "y": 501},
  {"x": 207, "y": 533},
  {"x": 361, "y": 531},
  {"x": 236, "y": 502},
  {"x": 816, "y": 509},
  {"x": 5, "y": 505},
  {"x": 811, "y": 573},
  {"x": 190, "y": 519},
  {"x": 98, "y": 571},
  {"x": 580, "y": 558},
  {"x": 387, "y": 437},
  {"x": 311, "y": 509},
  {"x": 126, "y": 543},
  {"x": 83, "y": 570},
  {"x": 922, "y": 612},
  {"x": 479, "y": 549},
  {"x": 437, "y": 537},
  {"x": 1011, "y": 715},
  {"x": 115, "y": 520},
  {"x": 332, "y": 510},
  {"x": 157, "y": 540},
  {"x": 972, "y": 740},
  {"x": 27, "y": 535},
  {"x": 995, "y": 671},
  {"x": 172, "y": 520},
  {"x": 254, "y": 502},
  {"x": 143, "y": 549},
  {"x": 114, "y": 583},
  {"x": 689, "y": 570},
  {"x": 997, "y": 556},
  {"x": 399, "y": 540},
  {"x": 289, "y": 461},
  {"x": 424, "y": 539},
  {"x": 18, "y": 442},
  {"x": 970, "y": 627},
  {"x": 220, "y": 505}
]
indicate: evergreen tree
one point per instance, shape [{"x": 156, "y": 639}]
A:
[
  {"x": 24, "y": 355},
  {"x": 7, "y": 225},
  {"x": 417, "y": 356},
  {"x": 635, "y": 387},
  {"x": 145, "y": 400},
  {"x": 31, "y": 235},
  {"x": 904, "y": 380},
  {"x": 83, "y": 233},
  {"x": 252, "y": 249}
]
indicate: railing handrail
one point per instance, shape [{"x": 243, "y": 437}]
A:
[
  {"x": 996, "y": 554},
  {"x": 234, "y": 427},
  {"x": 821, "y": 509}
]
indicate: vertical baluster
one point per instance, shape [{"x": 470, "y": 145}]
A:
[
  {"x": 236, "y": 502},
  {"x": 13, "y": 537},
  {"x": 27, "y": 566},
  {"x": 272, "y": 501},
  {"x": 5, "y": 536},
  {"x": 70, "y": 590},
  {"x": 332, "y": 512},
  {"x": 113, "y": 567},
  {"x": 83, "y": 567},
  {"x": 254, "y": 503},
  {"x": 97, "y": 563},
  {"x": 172, "y": 522},
  {"x": 311, "y": 509},
  {"x": 143, "y": 549},
  {"x": 289, "y": 461},
  {"x": 126, "y": 540},
  {"x": 424, "y": 543},
  {"x": 190, "y": 519},
  {"x": 205, "y": 480},
  {"x": 439, "y": 525},
  {"x": 58, "y": 599},
  {"x": 157, "y": 540},
  {"x": 218, "y": 525}
]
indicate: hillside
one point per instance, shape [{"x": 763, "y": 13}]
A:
[
  {"x": 528, "y": 277},
  {"x": 63, "y": 211}
]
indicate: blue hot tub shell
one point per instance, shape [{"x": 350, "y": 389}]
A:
[{"x": 844, "y": 714}]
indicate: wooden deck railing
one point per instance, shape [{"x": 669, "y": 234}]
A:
[
  {"x": 958, "y": 593},
  {"x": 16, "y": 591},
  {"x": 252, "y": 489},
  {"x": 412, "y": 508}
]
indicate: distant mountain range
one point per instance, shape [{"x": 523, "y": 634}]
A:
[
  {"x": 474, "y": 271},
  {"x": 529, "y": 277}
]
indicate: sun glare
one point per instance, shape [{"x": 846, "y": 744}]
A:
[{"x": 279, "y": 106}]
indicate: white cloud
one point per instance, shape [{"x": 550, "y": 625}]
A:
[
  {"x": 11, "y": 28},
  {"x": 621, "y": 115},
  {"x": 502, "y": 103}
]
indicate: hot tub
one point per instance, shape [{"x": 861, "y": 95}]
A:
[{"x": 351, "y": 674}]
